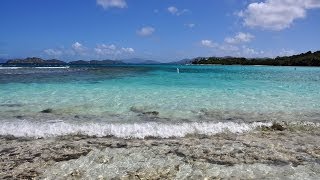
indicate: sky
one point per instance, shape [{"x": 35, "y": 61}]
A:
[{"x": 163, "y": 30}]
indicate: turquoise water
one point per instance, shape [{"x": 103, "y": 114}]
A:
[{"x": 150, "y": 95}]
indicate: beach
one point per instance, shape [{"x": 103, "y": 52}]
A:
[{"x": 291, "y": 153}]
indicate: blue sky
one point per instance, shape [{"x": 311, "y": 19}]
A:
[{"x": 163, "y": 30}]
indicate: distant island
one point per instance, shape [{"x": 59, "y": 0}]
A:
[
  {"x": 305, "y": 59},
  {"x": 35, "y": 61}
]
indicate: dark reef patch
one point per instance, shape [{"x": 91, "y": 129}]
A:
[
  {"x": 47, "y": 111},
  {"x": 151, "y": 113},
  {"x": 277, "y": 127}
]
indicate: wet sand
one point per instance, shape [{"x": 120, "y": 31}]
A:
[{"x": 291, "y": 152}]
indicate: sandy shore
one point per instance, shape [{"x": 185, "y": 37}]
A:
[{"x": 292, "y": 153}]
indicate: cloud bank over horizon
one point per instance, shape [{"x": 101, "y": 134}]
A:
[{"x": 100, "y": 51}]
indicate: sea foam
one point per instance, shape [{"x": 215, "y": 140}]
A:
[
  {"x": 10, "y": 67},
  {"x": 136, "y": 130},
  {"x": 54, "y": 67}
]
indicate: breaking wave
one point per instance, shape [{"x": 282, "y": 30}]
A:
[{"x": 137, "y": 130}]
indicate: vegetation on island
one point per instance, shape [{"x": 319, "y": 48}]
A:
[{"x": 304, "y": 59}]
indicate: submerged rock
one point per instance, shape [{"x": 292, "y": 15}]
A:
[
  {"x": 274, "y": 127},
  {"x": 47, "y": 110},
  {"x": 153, "y": 113},
  {"x": 277, "y": 127},
  {"x": 143, "y": 111}
]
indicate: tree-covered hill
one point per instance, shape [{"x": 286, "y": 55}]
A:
[{"x": 304, "y": 59}]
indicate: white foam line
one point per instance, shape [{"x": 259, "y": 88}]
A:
[
  {"x": 10, "y": 67},
  {"x": 137, "y": 130},
  {"x": 306, "y": 123},
  {"x": 61, "y": 67}
]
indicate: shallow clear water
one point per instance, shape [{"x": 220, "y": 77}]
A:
[{"x": 147, "y": 94}]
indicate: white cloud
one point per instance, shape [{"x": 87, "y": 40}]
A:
[
  {"x": 231, "y": 49},
  {"x": 175, "y": 11},
  {"x": 208, "y": 43},
  {"x": 239, "y": 38},
  {"x": 111, "y": 49},
  {"x": 276, "y": 14},
  {"x": 101, "y": 50},
  {"x": 112, "y": 3},
  {"x": 172, "y": 10},
  {"x": 104, "y": 49},
  {"x": 240, "y": 51},
  {"x": 249, "y": 52},
  {"x": 128, "y": 50},
  {"x": 146, "y": 31},
  {"x": 78, "y": 48},
  {"x": 53, "y": 52},
  {"x": 287, "y": 52},
  {"x": 190, "y": 25}
]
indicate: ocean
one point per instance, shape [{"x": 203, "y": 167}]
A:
[{"x": 137, "y": 101}]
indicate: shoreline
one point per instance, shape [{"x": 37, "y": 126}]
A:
[{"x": 264, "y": 153}]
